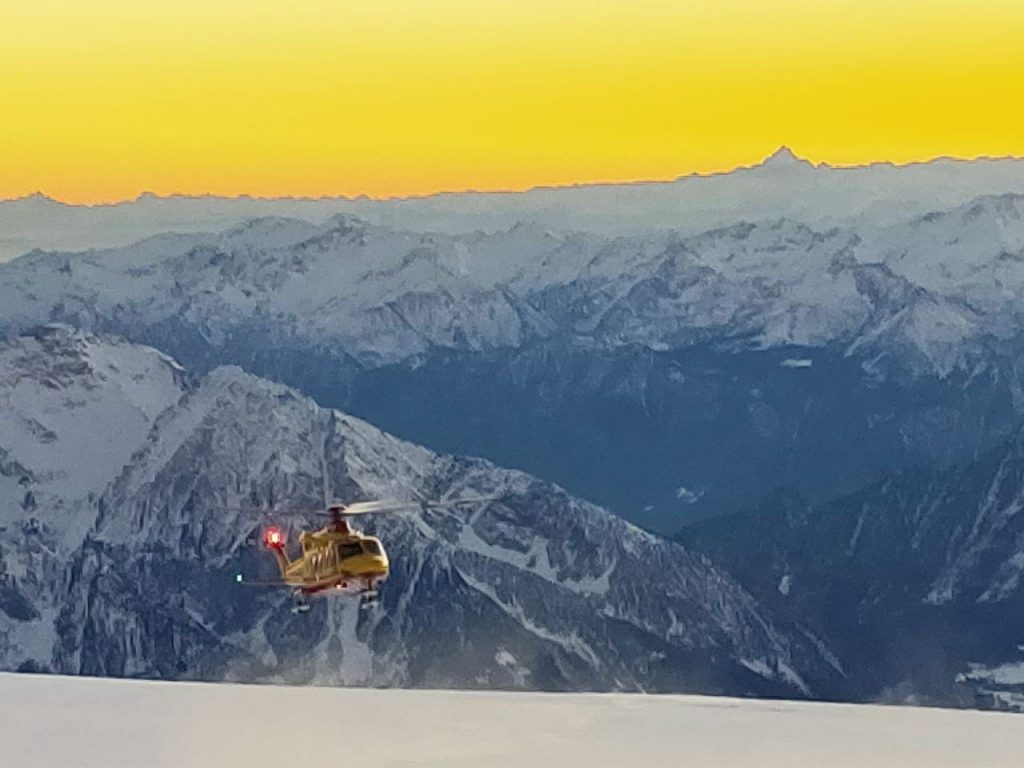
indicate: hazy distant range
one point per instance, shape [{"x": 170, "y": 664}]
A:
[{"x": 782, "y": 185}]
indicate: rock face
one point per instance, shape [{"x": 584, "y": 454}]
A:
[
  {"x": 537, "y": 590},
  {"x": 916, "y": 580}
]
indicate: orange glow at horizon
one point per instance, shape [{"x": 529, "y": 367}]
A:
[{"x": 102, "y": 100}]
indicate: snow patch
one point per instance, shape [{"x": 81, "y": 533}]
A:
[{"x": 687, "y": 496}]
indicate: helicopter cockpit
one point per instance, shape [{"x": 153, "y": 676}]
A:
[
  {"x": 372, "y": 547},
  {"x": 367, "y": 546}
]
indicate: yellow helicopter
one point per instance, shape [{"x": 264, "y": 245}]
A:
[{"x": 337, "y": 559}]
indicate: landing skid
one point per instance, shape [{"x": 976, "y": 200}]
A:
[
  {"x": 300, "y": 604},
  {"x": 368, "y": 599}
]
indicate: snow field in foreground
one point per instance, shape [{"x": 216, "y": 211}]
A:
[{"x": 79, "y": 722}]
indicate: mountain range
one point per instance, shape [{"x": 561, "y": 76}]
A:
[
  {"x": 632, "y": 370},
  {"x": 808, "y": 376},
  {"x": 782, "y": 186}
]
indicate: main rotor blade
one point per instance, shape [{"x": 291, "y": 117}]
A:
[
  {"x": 374, "y": 507},
  {"x": 466, "y": 501},
  {"x": 387, "y": 507}
]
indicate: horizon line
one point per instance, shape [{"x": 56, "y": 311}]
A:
[{"x": 783, "y": 154}]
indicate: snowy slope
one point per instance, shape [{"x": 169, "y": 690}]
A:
[
  {"x": 106, "y": 722},
  {"x": 538, "y": 590},
  {"x": 73, "y": 409},
  {"x": 65, "y": 395}
]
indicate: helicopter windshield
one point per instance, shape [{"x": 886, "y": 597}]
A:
[
  {"x": 371, "y": 547},
  {"x": 349, "y": 549}
]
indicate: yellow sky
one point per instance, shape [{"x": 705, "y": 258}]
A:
[{"x": 101, "y": 99}]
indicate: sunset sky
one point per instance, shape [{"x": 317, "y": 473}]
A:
[{"x": 102, "y": 99}]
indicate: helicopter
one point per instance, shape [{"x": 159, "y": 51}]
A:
[{"x": 338, "y": 559}]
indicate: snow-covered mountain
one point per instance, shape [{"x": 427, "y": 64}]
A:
[
  {"x": 783, "y": 185},
  {"x": 594, "y": 360},
  {"x": 945, "y": 286},
  {"x": 122, "y": 555}
]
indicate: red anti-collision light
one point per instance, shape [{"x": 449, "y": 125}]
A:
[{"x": 273, "y": 537}]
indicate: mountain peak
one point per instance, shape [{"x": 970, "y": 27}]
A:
[
  {"x": 36, "y": 198},
  {"x": 784, "y": 157}
]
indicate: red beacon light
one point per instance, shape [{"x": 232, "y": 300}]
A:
[{"x": 273, "y": 537}]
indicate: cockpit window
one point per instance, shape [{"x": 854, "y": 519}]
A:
[
  {"x": 371, "y": 547},
  {"x": 349, "y": 549}
]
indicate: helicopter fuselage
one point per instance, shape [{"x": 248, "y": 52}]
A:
[{"x": 333, "y": 560}]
